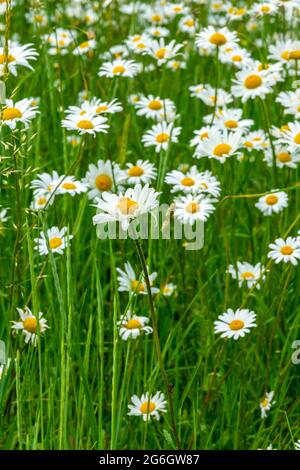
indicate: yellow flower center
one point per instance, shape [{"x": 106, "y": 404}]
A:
[
  {"x": 294, "y": 55},
  {"x": 133, "y": 324},
  {"x": 271, "y": 200},
  {"x": 61, "y": 42},
  {"x": 136, "y": 38},
  {"x": 147, "y": 407},
  {"x": 84, "y": 45},
  {"x": 204, "y": 135},
  {"x": 39, "y": 18},
  {"x": 118, "y": 69},
  {"x": 263, "y": 67},
  {"x": 236, "y": 58},
  {"x": 135, "y": 171},
  {"x": 285, "y": 128},
  {"x": 160, "y": 53},
  {"x": 297, "y": 138},
  {"x": 69, "y": 186},
  {"x": 55, "y": 242},
  {"x": 6, "y": 58},
  {"x": 284, "y": 157},
  {"x": 41, "y": 201},
  {"x": 248, "y": 144},
  {"x": 189, "y": 22},
  {"x": 155, "y": 105},
  {"x": 222, "y": 149},
  {"x": 286, "y": 250},
  {"x": 285, "y": 55},
  {"x": 141, "y": 45},
  {"x": 265, "y": 9},
  {"x": 30, "y": 324},
  {"x": 187, "y": 181},
  {"x": 101, "y": 109},
  {"x": 252, "y": 81},
  {"x": 218, "y": 39},
  {"x": 137, "y": 286},
  {"x": 247, "y": 275},
  {"x": 156, "y": 18},
  {"x": 11, "y": 113},
  {"x": 231, "y": 124},
  {"x": 161, "y": 138},
  {"x": 127, "y": 206},
  {"x": 236, "y": 325},
  {"x": 85, "y": 124},
  {"x": 103, "y": 182},
  {"x": 264, "y": 402},
  {"x": 192, "y": 207}
]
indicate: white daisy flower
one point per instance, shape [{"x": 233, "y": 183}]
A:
[
  {"x": 284, "y": 158},
  {"x": 238, "y": 57},
  {"x": 152, "y": 107},
  {"x": 209, "y": 184},
  {"x": 200, "y": 135},
  {"x": 123, "y": 208},
  {"x": 131, "y": 326},
  {"x": 17, "y": 56},
  {"x": 220, "y": 146},
  {"x": 161, "y": 135},
  {"x": 102, "y": 177},
  {"x": 235, "y": 324},
  {"x": 45, "y": 183},
  {"x": 70, "y": 186},
  {"x": 280, "y": 51},
  {"x": 168, "y": 289},
  {"x": 210, "y": 38},
  {"x": 85, "y": 47},
  {"x": 175, "y": 65},
  {"x": 129, "y": 282},
  {"x": 105, "y": 107},
  {"x": 290, "y": 100},
  {"x": 188, "y": 24},
  {"x": 138, "y": 43},
  {"x": 31, "y": 325},
  {"x": 266, "y": 403},
  {"x": 41, "y": 200},
  {"x": 291, "y": 137},
  {"x": 20, "y": 111},
  {"x": 60, "y": 40},
  {"x": 141, "y": 172},
  {"x": 174, "y": 9},
  {"x": 87, "y": 123},
  {"x": 162, "y": 52},
  {"x": 247, "y": 273},
  {"x": 206, "y": 93},
  {"x": 255, "y": 140},
  {"x": 287, "y": 251},
  {"x": 157, "y": 31},
  {"x": 250, "y": 84},
  {"x": 272, "y": 202},
  {"x": 119, "y": 68},
  {"x": 230, "y": 119},
  {"x": 58, "y": 241},
  {"x": 264, "y": 8},
  {"x": 188, "y": 182},
  {"x": 148, "y": 406},
  {"x": 191, "y": 208}
]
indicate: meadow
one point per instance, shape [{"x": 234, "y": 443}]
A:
[{"x": 108, "y": 110}]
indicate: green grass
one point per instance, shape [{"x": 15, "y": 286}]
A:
[{"x": 72, "y": 391}]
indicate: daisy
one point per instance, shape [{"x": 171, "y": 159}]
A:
[
  {"x": 264, "y": 8},
  {"x": 287, "y": 251},
  {"x": 236, "y": 13},
  {"x": 59, "y": 41},
  {"x": 175, "y": 65},
  {"x": 284, "y": 158},
  {"x": 45, "y": 184},
  {"x": 188, "y": 24},
  {"x": 148, "y": 405},
  {"x": 123, "y": 208},
  {"x": 208, "y": 96},
  {"x": 200, "y": 135},
  {"x": 31, "y": 325},
  {"x": 168, "y": 289},
  {"x": 250, "y": 84},
  {"x": 56, "y": 239},
  {"x": 291, "y": 137},
  {"x": 209, "y": 184},
  {"x": 105, "y": 107},
  {"x": 266, "y": 404},
  {"x": 280, "y": 51},
  {"x": 255, "y": 140},
  {"x": 20, "y": 111},
  {"x": 237, "y": 56},
  {"x": 85, "y": 124},
  {"x": 230, "y": 119},
  {"x": 41, "y": 200},
  {"x": 161, "y": 51},
  {"x": 246, "y": 272},
  {"x": 138, "y": 43},
  {"x": 129, "y": 282},
  {"x": 188, "y": 182},
  {"x": 152, "y": 106},
  {"x": 85, "y": 47},
  {"x": 131, "y": 326},
  {"x": 102, "y": 177},
  {"x": 220, "y": 146},
  {"x": 71, "y": 186},
  {"x": 17, "y": 56},
  {"x": 161, "y": 135},
  {"x": 290, "y": 100},
  {"x": 119, "y": 68},
  {"x": 190, "y": 208},
  {"x": 141, "y": 172},
  {"x": 235, "y": 324},
  {"x": 174, "y": 9},
  {"x": 210, "y": 38},
  {"x": 272, "y": 202}
]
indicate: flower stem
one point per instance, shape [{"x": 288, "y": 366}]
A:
[{"x": 168, "y": 386}]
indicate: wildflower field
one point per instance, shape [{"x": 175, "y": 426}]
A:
[{"x": 111, "y": 110}]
